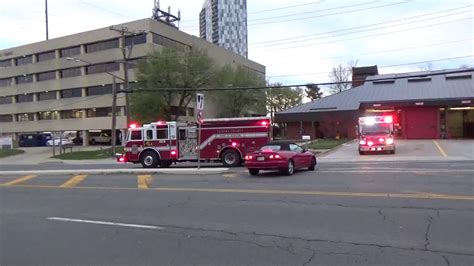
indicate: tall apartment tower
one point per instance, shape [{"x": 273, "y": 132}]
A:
[{"x": 224, "y": 22}]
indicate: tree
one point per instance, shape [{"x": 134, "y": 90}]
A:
[
  {"x": 236, "y": 103},
  {"x": 281, "y": 99},
  {"x": 313, "y": 91},
  {"x": 169, "y": 69},
  {"x": 342, "y": 75}
]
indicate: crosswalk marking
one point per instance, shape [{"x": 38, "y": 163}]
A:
[
  {"x": 74, "y": 181},
  {"x": 19, "y": 180},
  {"x": 143, "y": 181}
]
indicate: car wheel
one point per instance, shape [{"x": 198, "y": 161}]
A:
[
  {"x": 392, "y": 152},
  {"x": 165, "y": 163},
  {"x": 361, "y": 152},
  {"x": 230, "y": 158},
  {"x": 93, "y": 141},
  {"x": 312, "y": 165},
  {"x": 254, "y": 171},
  {"x": 290, "y": 169},
  {"x": 149, "y": 159}
]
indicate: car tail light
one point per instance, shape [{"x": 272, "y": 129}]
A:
[
  {"x": 388, "y": 119},
  {"x": 264, "y": 123},
  {"x": 389, "y": 141},
  {"x": 248, "y": 157},
  {"x": 275, "y": 156},
  {"x": 370, "y": 143},
  {"x": 362, "y": 142}
]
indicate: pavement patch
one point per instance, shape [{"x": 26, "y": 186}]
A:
[{"x": 143, "y": 181}]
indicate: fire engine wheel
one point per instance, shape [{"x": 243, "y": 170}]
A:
[
  {"x": 149, "y": 159},
  {"x": 290, "y": 169},
  {"x": 230, "y": 158}
]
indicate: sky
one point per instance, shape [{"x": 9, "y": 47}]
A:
[{"x": 299, "y": 41}]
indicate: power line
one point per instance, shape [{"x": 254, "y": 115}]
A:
[
  {"x": 268, "y": 10},
  {"x": 363, "y": 26},
  {"x": 386, "y": 66},
  {"x": 323, "y": 15},
  {"x": 367, "y": 36},
  {"x": 302, "y": 85},
  {"x": 384, "y": 51},
  {"x": 365, "y": 30}
]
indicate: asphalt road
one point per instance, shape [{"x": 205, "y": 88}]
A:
[{"x": 397, "y": 213}]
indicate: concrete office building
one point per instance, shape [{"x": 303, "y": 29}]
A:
[
  {"x": 42, "y": 91},
  {"x": 224, "y": 22}
]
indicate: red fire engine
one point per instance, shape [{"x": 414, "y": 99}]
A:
[
  {"x": 376, "y": 133},
  {"x": 222, "y": 139}
]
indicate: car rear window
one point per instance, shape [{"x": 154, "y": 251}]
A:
[{"x": 271, "y": 147}]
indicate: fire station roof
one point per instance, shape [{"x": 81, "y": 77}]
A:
[{"x": 438, "y": 85}]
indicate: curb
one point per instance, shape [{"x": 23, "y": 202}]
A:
[{"x": 188, "y": 171}]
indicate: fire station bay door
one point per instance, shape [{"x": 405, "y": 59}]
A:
[{"x": 187, "y": 143}]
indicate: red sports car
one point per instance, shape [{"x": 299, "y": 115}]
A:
[{"x": 282, "y": 156}]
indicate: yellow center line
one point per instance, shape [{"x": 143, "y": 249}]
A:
[
  {"x": 440, "y": 148},
  {"x": 143, "y": 181},
  {"x": 74, "y": 181},
  {"x": 417, "y": 195},
  {"x": 19, "y": 180}
]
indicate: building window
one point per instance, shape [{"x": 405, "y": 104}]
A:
[
  {"x": 46, "y": 76},
  {"x": 24, "y": 79},
  {"x": 133, "y": 63},
  {"x": 136, "y": 39},
  {"x": 191, "y": 111},
  {"x": 48, "y": 95},
  {"x": 100, "y": 68},
  {"x": 71, "y": 93},
  {"x": 66, "y": 52},
  {"x": 25, "y": 117},
  {"x": 99, "y": 90},
  {"x": 103, "y": 45},
  {"x": 101, "y": 112},
  {"x": 23, "y": 98},
  {"x": 46, "y": 56},
  {"x": 24, "y": 60},
  {"x": 5, "y": 82},
  {"x": 48, "y": 115},
  {"x": 6, "y": 100},
  {"x": 70, "y": 72},
  {"x": 6, "y": 63},
  {"x": 71, "y": 114},
  {"x": 166, "y": 42},
  {"x": 6, "y": 118}
]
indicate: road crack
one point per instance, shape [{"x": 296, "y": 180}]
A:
[
  {"x": 446, "y": 260},
  {"x": 310, "y": 258},
  {"x": 427, "y": 232}
]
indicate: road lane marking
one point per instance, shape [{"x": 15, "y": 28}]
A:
[
  {"x": 105, "y": 223},
  {"x": 440, "y": 148},
  {"x": 143, "y": 181},
  {"x": 74, "y": 181},
  {"x": 418, "y": 195},
  {"x": 19, "y": 180}
]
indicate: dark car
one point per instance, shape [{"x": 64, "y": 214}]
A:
[{"x": 282, "y": 156}]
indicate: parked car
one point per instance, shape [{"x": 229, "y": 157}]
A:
[
  {"x": 58, "y": 141},
  {"x": 282, "y": 156},
  {"x": 77, "y": 140},
  {"x": 101, "y": 138}
]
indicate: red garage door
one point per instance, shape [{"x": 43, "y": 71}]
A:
[{"x": 421, "y": 122}]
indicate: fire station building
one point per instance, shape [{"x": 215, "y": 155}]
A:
[{"x": 424, "y": 105}]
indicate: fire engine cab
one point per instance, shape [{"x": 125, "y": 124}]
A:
[
  {"x": 224, "y": 139},
  {"x": 376, "y": 134}
]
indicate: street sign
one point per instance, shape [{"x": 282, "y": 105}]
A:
[
  {"x": 199, "y": 116},
  {"x": 199, "y": 101}
]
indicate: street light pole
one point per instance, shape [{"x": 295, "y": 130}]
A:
[{"x": 114, "y": 117}]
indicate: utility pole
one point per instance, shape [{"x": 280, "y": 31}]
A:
[
  {"x": 114, "y": 117},
  {"x": 124, "y": 32},
  {"x": 46, "y": 13}
]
